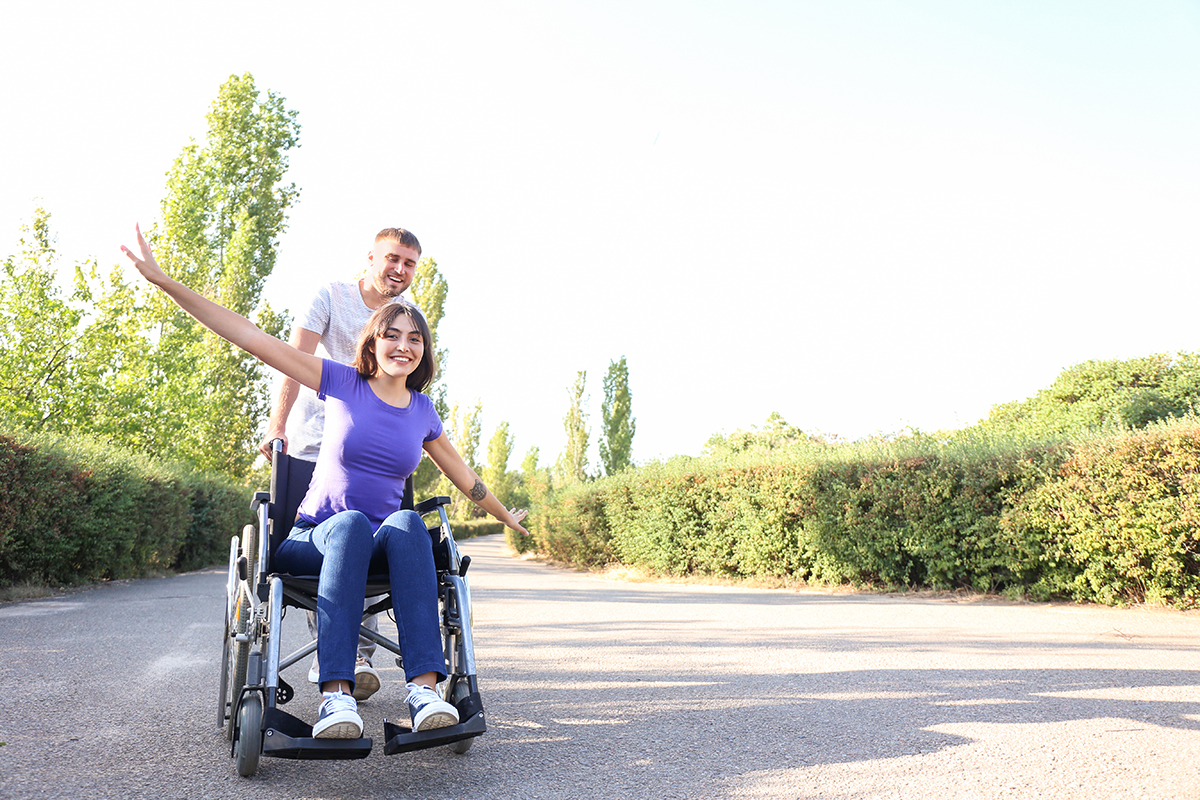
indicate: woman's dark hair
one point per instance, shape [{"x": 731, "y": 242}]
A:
[{"x": 384, "y": 318}]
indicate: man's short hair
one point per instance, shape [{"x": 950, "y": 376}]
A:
[{"x": 400, "y": 235}]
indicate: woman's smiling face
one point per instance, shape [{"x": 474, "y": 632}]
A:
[
  {"x": 397, "y": 341},
  {"x": 399, "y": 350}
]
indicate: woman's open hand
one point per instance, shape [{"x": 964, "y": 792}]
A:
[
  {"x": 518, "y": 514},
  {"x": 146, "y": 264}
]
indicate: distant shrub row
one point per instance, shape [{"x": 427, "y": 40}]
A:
[
  {"x": 470, "y": 528},
  {"x": 1110, "y": 518},
  {"x": 78, "y": 512}
]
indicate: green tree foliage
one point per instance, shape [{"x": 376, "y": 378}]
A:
[
  {"x": 223, "y": 213},
  {"x": 37, "y": 334},
  {"x": 533, "y": 493},
  {"x": 65, "y": 365},
  {"x": 120, "y": 361},
  {"x": 533, "y": 482},
  {"x": 468, "y": 427},
  {"x": 616, "y": 413},
  {"x": 429, "y": 291},
  {"x": 495, "y": 473},
  {"x": 464, "y": 428},
  {"x": 1104, "y": 394},
  {"x": 775, "y": 435},
  {"x": 573, "y": 463},
  {"x": 112, "y": 401}
]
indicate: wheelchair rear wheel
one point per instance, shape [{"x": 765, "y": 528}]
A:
[
  {"x": 239, "y": 625},
  {"x": 223, "y": 707}
]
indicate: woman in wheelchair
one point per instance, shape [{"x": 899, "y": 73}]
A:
[{"x": 377, "y": 425}]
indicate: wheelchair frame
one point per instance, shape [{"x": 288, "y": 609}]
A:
[{"x": 251, "y": 687}]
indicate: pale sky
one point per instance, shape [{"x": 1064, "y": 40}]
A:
[{"x": 866, "y": 216}]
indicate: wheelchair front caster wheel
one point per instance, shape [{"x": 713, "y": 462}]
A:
[
  {"x": 249, "y": 743},
  {"x": 461, "y": 690}
]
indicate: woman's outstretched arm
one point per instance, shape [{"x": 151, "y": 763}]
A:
[
  {"x": 453, "y": 467},
  {"x": 228, "y": 325}
]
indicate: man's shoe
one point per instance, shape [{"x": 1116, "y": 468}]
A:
[
  {"x": 338, "y": 718},
  {"x": 314, "y": 672},
  {"x": 428, "y": 710},
  {"x": 366, "y": 680}
]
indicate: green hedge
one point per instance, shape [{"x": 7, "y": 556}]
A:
[
  {"x": 1108, "y": 519},
  {"x": 1120, "y": 521},
  {"x": 470, "y": 528},
  {"x": 72, "y": 512}
]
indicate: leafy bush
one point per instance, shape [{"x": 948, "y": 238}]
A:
[
  {"x": 1099, "y": 395},
  {"x": 39, "y": 534},
  {"x": 573, "y": 527},
  {"x": 74, "y": 511},
  {"x": 1119, "y": 522},
  {"x": 470, "y": 528},
  {"x": 1105, "y": 518}
]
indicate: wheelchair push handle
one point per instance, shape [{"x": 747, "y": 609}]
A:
[{"x": 277, "y": 449}]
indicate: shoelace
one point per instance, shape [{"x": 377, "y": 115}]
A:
[
  {"x": 338, "y": 702},
  {"x": 422, "y": 695}
]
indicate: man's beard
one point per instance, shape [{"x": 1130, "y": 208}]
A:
[{"x": 387, "y": 288}]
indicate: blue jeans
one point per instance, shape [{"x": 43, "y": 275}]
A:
[{"x": 343, "y": 550}]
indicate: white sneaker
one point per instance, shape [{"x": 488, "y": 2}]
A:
[
  {"x": 428, "y": 709},
  {"x": 366, "y": 679},
  {"x": 315, "y": 671},
  {"x": 338, "y": 718}
]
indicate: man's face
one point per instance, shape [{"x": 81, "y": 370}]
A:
[{"x": 391, "y": 267}]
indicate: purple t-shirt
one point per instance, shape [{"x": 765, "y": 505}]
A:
[{"x": 369, "y": 449}]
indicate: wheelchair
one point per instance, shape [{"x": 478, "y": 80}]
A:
[{"x": 252, "y": 688}]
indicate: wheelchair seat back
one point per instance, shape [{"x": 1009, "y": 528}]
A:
[{"x": 290, "y": 478}]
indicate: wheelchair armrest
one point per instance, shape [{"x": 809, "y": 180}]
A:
[
  {"x": 259, "y": 499},
  {"x": 425, "y": 506}
]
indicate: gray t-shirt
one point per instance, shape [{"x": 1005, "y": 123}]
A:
[{"x": 338, "y": 314}]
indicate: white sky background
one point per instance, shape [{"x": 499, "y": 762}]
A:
[{"x": 863, "y": 215}]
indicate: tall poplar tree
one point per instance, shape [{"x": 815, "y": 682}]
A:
[
  {"x": 224, "y": 211},
  {"x": 463, "y": 429},
  {"x": 535, "y": 482},
  {"x": 616, "y": 413},
  {"x": 495, "y": 473},
  {"x": 430, "y": 291},
  {"x": 573, "y": 463}
]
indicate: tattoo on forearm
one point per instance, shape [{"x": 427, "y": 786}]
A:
[{"x": 478, "y": 491}]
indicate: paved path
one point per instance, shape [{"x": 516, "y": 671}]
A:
[{"x": 604, "y": 689}]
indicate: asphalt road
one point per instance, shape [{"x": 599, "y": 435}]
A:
[{"x": 597, "y": 688}]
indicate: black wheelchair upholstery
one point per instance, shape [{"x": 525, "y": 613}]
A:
[{"x": 290, "y": 478}]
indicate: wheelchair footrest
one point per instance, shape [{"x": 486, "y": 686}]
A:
[
  {"x": 402, "y": 739},
  {"x": 285, "y": 736}
]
